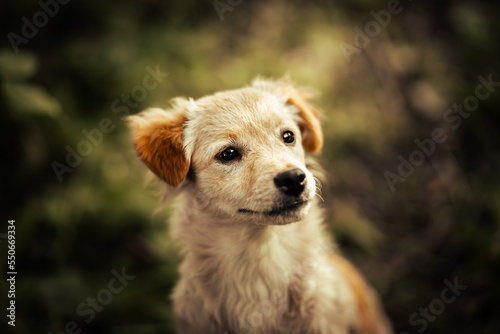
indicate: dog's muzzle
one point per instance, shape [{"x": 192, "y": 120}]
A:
[{"x": 291, "y": 185}]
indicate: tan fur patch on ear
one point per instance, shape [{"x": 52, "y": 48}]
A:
[
  {"x": 157, "y": 137},
  {"x": 312, "y": 136}
]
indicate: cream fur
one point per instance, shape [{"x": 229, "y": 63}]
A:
[{"x": 245, "y": 270}]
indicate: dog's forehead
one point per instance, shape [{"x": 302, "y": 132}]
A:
[{"x": 246, "y": 108}]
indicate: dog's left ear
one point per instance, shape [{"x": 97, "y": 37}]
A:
[
  {"x": 312, "y": 136},
  {"x": 158, "y": 140}
]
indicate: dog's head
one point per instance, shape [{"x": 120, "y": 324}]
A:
[{"x": 243, "y": 151}]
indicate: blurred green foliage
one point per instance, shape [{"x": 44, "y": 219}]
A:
[{"x": 441, "y": 223}]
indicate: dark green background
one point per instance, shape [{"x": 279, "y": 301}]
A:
[{"x": 442, "y": 223}]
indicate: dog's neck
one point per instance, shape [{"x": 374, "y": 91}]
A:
[{"x": 242, "y": 250}]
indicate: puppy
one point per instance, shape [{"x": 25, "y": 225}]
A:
[{"x": 256, "y": 258}]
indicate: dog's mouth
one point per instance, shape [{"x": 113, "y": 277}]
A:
[{"x": 283, "y": 209}]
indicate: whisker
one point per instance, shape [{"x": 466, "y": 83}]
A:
[
  {"x": 317, "y": 194},
  {"x": 318, "y": 183}
]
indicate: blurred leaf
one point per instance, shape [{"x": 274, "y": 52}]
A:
[
  {"x": 470, "y": 22},
  {"x": 17, "y": 66},
  {"x": 349, "y": 222},
  {"x": 31, "y": 99}
]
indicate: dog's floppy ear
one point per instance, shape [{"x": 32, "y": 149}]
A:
[
  {"x": 312, "y": 136},
  {"x": 157, "y": 136}
]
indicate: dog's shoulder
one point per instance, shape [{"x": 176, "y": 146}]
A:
[{"x": 370, "y": 313}]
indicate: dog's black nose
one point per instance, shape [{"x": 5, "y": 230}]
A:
[{"x": 291, "y": 182}]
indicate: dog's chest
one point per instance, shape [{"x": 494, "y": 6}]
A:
[{"x": 262, "y": 289}]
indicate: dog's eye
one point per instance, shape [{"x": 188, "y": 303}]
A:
[
  {"x": 229, "y": 154},
  {"x": 288, "y": 137}
]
